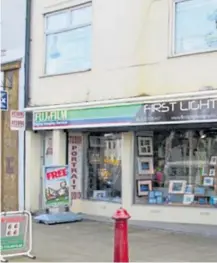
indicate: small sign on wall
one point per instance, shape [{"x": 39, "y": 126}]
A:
[
  {"x": 4, "y": 100},
  {"x": 17, "y": 120}
]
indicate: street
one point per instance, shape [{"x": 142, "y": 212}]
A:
[{"x": 93, "y": 241}]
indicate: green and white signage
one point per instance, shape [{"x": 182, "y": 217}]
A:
[{"x": 89, "y": 117}]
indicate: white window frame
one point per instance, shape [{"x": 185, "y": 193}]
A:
[
  {"x": 172, "y": 52},
  {"x": 69, "y": 28}
]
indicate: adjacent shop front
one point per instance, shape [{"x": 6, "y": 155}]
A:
[{"x": 157, "y": 159}]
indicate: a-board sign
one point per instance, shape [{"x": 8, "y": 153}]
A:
[
  {"x": 56, "y": 186},
  {"x": 13, "y": 232},
  {"x": 16, "y": 234}
]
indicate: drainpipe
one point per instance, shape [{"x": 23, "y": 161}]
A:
[{"x": 26, "y": 81}]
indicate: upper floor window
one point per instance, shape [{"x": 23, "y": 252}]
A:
[
  {"x": 68, "y": 40},
  {"x": 195, "y": 28}
]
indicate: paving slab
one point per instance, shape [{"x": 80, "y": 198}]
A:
[{"x": 92, "y": 241}]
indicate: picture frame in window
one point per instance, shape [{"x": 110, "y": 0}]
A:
[
  {"x": 99, "y": 194},
  {"x": 205, "y": 170},
  {"x": 144, "y": 187},
  {"x": 96, "y": 141},
  {"x": 177, "y": 186},
  {"x": 145, "y": 146},
  {"x": 208, "y": 181},
  {"x": 212, "y": 172},
  {"x": 213, "y": 160},
  {"x": 188, "y": 199},
  {"x": 189, "y": 189},
  {"x": 94, "y": 157},
  {"x": 199, "y": 191},
  {"x": 145, "y": 165}
]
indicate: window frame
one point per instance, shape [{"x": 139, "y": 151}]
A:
[
  {"x": 172, "y": 52},
  {"x": 46, "y": 33}
]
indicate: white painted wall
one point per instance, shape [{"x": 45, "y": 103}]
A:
[
  {"x": 129, "y": 56},
  {"x": 33, "y": 170}
]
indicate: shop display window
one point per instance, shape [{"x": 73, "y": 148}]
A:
[
  {"x": 103, "y": 181},
  {"x": 176, "y": 167}
]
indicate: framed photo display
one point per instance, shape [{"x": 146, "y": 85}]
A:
[
  {"x": 189, "y": 189},
  {"x": 96, "y": 141},
  {"x": 199, "y": 190},
  {"x": 144, "y": 187},
  {"x": 208, "y": 181},
  {"x": 188, "y": 199},
  {"x": 145, "y": 165},
  {"x": 205, "y": 170},
  {"x": 213, "y": 161},
  {"x": 212, "y": 172},
  {"x": 177, "y": 186},
  {"x": 145, "y": 146},
  {"x": 99, "y": 194}
]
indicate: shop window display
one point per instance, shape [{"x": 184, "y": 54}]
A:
[
  {"x": 104, "y": 167},
  {"x": 176, "y": 167}
]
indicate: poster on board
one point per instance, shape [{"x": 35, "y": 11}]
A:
[{"x": 56, "y": 186}]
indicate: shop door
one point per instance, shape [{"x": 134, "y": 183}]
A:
[
  {"x": 9, "y": 145},
  {"x": 46, "y": 159}
]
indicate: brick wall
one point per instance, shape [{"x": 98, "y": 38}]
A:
[{"x": 9, "y": 139}]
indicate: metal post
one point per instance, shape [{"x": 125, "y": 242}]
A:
[{"x": 121, "y": 253}]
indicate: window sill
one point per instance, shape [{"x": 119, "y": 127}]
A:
[
  {"x": 63, "y": 74},
  {"x": 109, "y": 200},
  {"x": 191, "y": 53},
  {"x": 176, "y": 205}
]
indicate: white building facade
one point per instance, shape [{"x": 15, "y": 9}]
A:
[{"x": 129, "y": 102}]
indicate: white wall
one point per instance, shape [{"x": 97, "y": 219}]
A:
[
  {"x": 129, "y": 56},
  {"x": 33, "y": 170}
]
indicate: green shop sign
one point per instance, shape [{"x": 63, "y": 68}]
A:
[
  {"x": 50, "y": 116},
  {"x": 90, "y": 117},
  {"x": 137, "y": 114}
]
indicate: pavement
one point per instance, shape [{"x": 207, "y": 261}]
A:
[{"x": 92, "y": 241}]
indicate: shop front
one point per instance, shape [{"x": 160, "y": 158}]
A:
[{"x": 156, "y": 159}]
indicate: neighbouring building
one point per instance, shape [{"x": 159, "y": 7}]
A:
[
  {"x": 12, "y": 82},
  {"x": 124, "y": 92}
]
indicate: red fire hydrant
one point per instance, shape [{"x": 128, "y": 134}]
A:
[{"x": 121, "y": 253}]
